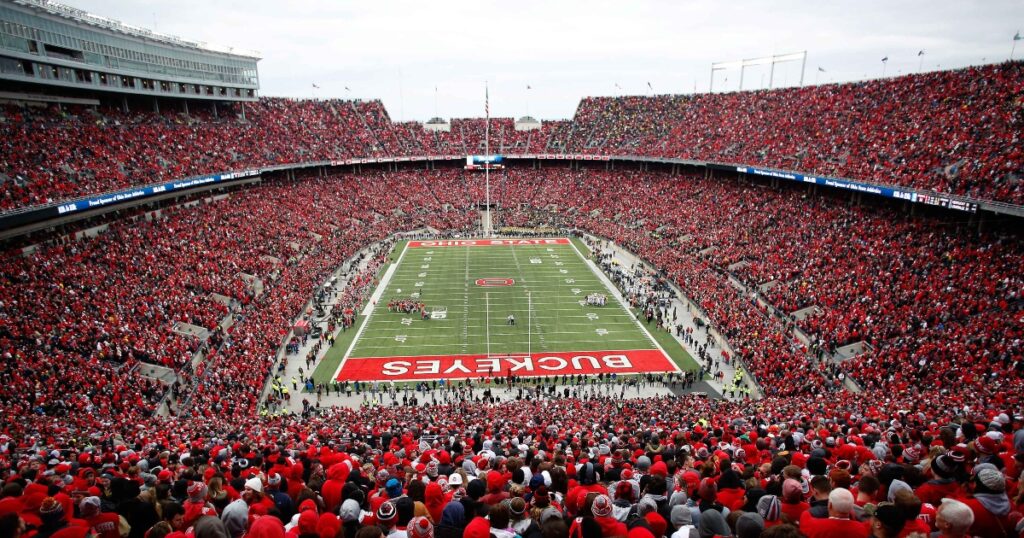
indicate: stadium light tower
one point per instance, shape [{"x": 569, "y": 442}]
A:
[{"x": 764, "y": 60}]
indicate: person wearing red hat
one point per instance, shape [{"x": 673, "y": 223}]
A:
[
  {"x": 640, "y": 532},
  {"x": 295, "y": 481},
  {"x": 420, "y": 527},
  {"x": 434, "y": 500},
  {"x": 589, "y": 482},
  {"x": 307, "y": 525},
  {"x": 337, "y": 474},
  {"x": 657, "y": 523},
  {"x": 268, "y": 527},
  {"x": 496, "y": 493},
  {"x": 479, "y": 527},
  {"x": 602, "y": 509},
  {"x": 165, "y": 476}
]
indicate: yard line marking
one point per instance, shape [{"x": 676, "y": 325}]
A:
[
  {"x": 583, "y": 324},
  {"x": 392, "y": 348}
]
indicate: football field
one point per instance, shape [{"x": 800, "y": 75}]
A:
[{"x": 457, "y": 309}]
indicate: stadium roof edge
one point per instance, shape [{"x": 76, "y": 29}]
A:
[{"x": 105, "y": 23}]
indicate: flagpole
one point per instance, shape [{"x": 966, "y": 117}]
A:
[
  {"x": 1016, "y": 38},
  {"x": 487, "y": 167}
]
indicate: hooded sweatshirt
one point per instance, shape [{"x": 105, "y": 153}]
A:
[
  {"x": 990, "y": 511},
  {"x": 209, "y": 527},
  {"x": 434, "y": 500},
  {"x": 235, "y": 518},
  {"x": 331, "y": 490},
  {"x": 682, "y": 520}
]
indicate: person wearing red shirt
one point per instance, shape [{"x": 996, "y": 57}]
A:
[
  {"x": 103, "y": 524},
  {"x": 495, "y": 488},
  {"x": 989, "y": 502},
  {"x": 730, "y": 490},
  {"x": 910, "y": 505},
  {"x": 944, "y": 485},
  {"x": 589, "y": 482},
  {"x": 953, "y": 519},
  {"x": 840, "y": 522},
  {"x": 602, "y": 510},
  {"x": 793, "y": 504}
]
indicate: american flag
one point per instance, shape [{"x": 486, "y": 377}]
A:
[{"x": 487, "y": 102}]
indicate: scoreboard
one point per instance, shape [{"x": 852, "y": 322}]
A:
[{"x": 484, "y": 162}]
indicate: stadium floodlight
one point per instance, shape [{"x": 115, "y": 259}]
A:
[{"x": 764, "y": 60}]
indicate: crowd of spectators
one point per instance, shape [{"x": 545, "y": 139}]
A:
[
  {"x": 919, "y": 296},
  {"x": 948, "y": 131},
  {"x": 940, "y": 312},
  {"x": 952, "y": 131},
  {"x": 686, "y": 466},
  {"x": 77, "y": 317},
  {"x": 917, "y": 292},
  {"x": 48, "y": 155}
]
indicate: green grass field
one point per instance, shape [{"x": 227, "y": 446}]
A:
[{"x": 547, "y": 300}]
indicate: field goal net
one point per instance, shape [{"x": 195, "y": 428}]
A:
[{"x": 438, "y": 312}]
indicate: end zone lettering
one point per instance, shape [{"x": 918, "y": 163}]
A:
[
  {"x": 487, "y": 243},
  {"x": 475, "y": 366},
  {"x": 506, "y": 365}
]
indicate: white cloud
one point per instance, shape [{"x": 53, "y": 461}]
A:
[{"x": 399, "y": 51}]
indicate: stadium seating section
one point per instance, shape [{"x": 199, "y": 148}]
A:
[
  {"x": 939, "y": 311},
  {"x": 950, "y": 131}
]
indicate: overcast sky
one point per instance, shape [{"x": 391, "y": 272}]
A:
[{"x": 400, "y": 51}]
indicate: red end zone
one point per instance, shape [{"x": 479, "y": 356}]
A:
[
  {"x": 487, "y": 243},
  {"x": 634, "y": 361}
]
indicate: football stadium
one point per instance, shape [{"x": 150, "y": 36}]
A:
[{"x": 383, "y": 283}]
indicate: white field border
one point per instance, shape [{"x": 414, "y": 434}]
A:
[
  {"x": 618, "y": 297},
  {"x": 602, "y": 278},
  {"x": 368, "y": 310}
]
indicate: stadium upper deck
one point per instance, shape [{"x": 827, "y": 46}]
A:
[{"x": 954, "y": 132}]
